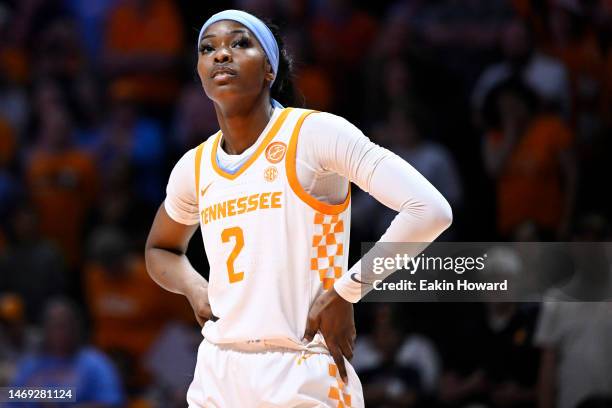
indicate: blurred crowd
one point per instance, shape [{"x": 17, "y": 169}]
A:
[{"x": 504, "y": 105}]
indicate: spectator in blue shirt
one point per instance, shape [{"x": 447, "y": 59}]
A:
[{"x": 65, "y": 362}]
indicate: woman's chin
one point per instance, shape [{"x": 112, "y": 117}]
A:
[{"x": 228, "y": 93}]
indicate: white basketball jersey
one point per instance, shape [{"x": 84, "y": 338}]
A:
[{"x": 272, "y": 247}]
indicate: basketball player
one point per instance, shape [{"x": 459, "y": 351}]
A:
[{"x": 270, "y": 192}]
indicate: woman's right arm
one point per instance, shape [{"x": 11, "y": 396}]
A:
[
  {"x": 165, "y": 254},
  {"x": 175, "y": 223},
  {"x": 168, "y": 265}
]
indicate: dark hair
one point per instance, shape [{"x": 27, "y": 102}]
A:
[{"x": 283, "y": 89}]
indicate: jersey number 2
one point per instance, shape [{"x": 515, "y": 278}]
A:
[{"x": 226, "y": 235}]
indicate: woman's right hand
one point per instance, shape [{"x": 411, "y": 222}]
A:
[{"x": 198, "y": 299}]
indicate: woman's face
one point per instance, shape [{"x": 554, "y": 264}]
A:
[
  {"x": 231, "y": 63},
  {"x": 512, "y": 109}
]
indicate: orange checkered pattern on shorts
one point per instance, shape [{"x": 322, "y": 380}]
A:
[
  {"x": 327, "y": 248},
  {"x": 338, "y": 393}
]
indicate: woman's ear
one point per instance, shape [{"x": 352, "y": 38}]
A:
[{"x": 269, "y": 72}]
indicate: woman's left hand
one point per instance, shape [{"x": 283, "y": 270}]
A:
[{"x": 333, "y": 317}]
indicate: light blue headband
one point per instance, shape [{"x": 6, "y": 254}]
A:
[{"x": 256, "y": 26}]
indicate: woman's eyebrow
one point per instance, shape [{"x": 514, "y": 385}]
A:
[{"x": 237, "y": 31}]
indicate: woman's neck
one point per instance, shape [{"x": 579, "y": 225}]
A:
[{"x": 242, "y": 125}]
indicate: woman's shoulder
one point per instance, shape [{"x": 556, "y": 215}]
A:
[
  {"x": 318, "y": 115},
  {"x": 322, "y": 123}
]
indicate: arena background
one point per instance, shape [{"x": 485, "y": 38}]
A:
[{"x": 99, "y": 98}]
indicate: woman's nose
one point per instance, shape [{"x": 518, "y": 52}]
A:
[{"x": 223, "y": 55}]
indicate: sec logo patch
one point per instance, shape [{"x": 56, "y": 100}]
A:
[
  {"x": 270, "y": 173},
  {"x": 275, "y": 152}
]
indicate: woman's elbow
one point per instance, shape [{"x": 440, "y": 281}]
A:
[
  {"x": 442, "y": 215},
  {"x": 148, "y": 248},
  {"x": 148, "y": 256}
]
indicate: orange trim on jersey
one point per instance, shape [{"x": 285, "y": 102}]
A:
[
  {"x": 198, "y": 162},
  {"x": 271, "y": 133},
  {"x": 330, "y": 209}
]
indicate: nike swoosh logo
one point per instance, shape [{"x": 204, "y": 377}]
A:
[
  {"x": 354, "y": 279},
  {"x": 203, "y": 191}
]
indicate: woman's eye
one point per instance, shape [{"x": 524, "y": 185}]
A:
[
  {"x": 243, "y": 42},
  {"x": 204, "y": 48}
]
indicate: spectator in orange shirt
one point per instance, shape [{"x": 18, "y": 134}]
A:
[
  {"x": 144, "y": 40},
  {"x": 529, "y": 156},
  {"x": 128, "y": 309},
  {"x": 62, "y": 180}
]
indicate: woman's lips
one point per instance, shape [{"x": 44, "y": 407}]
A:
[
  {"x": 223, "y": 77},
  {"x": 223, "y": 73}
]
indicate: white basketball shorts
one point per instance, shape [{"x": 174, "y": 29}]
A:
[{"x": 227, "y": 377}]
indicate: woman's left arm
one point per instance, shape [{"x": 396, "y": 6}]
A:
[{"x": 423, "y": 213}]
